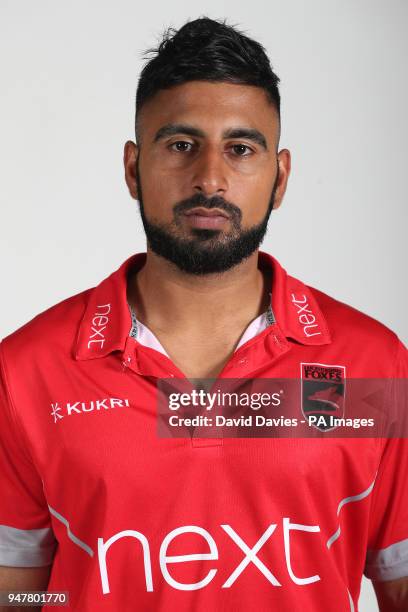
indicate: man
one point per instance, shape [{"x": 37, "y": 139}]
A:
[{"x": 98, "y": 504}]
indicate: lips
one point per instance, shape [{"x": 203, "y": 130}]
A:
[
  {"x": 207, "y": 218},
  {"x": 207, "y": 212}
]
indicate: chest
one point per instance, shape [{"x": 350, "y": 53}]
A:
[{"x": 201, "y": 355}]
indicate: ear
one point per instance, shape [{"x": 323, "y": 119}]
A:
[
  {"x": 130, "y": 155},
  {"x": 284, "y": 165}
]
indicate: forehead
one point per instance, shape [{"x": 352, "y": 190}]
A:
[{"x": 213, "y": 107}]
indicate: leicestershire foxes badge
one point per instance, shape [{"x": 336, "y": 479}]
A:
[{"x": 323, "y": 390}]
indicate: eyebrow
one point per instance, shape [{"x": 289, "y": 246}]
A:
[
  {"x": 171, "y": 129},
  {"x": 248, "y": 133}
]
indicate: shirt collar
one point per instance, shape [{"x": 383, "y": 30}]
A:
[
  {"x": 295, "y": 307},
  {"x": 106, "y": 323}
]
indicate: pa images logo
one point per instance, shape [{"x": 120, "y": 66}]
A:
[{"x": 323, "y": 390}]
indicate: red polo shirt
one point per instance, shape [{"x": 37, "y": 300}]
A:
[{"x": 133, "y": 521}]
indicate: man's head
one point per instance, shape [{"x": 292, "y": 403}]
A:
[
  {"x": 207, "y": 129},
  {"x": 206, "y": 50}
]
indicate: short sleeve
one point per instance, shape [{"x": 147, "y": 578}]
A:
[
  {"x": 387, "y": 554},
  {"x": 26, "y": 535}
]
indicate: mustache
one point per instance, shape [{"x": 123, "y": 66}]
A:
[{"x": 199, "y": 199}]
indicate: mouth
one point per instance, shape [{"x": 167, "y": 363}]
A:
[
  {"x": 204, "y": 218},
  {"x": 207, "y": 212}
]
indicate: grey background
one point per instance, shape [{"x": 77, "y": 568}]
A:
[{"x": 69, "y": 72}]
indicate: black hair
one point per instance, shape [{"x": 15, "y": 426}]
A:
[{"x": 206, "y": 50}]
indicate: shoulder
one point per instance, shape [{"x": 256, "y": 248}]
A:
[
  {"x": 52, "y": 330},
  {"x": 312, "y": 317},
  {"x": 360, "y": 330}
]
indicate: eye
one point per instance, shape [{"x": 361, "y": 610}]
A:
[
  {"x": 241, "y": 150},
  {"x": 181, "y": 146}
]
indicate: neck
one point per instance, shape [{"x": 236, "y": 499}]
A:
[{"x": 161, "y": 293}]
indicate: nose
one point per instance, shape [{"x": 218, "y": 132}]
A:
[{"x": 209, "y": 175}]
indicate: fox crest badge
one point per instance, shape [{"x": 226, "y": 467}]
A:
[{"x": 323, "y": 392}]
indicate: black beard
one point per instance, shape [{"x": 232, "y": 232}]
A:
[{"x": 210, "y": 251}]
